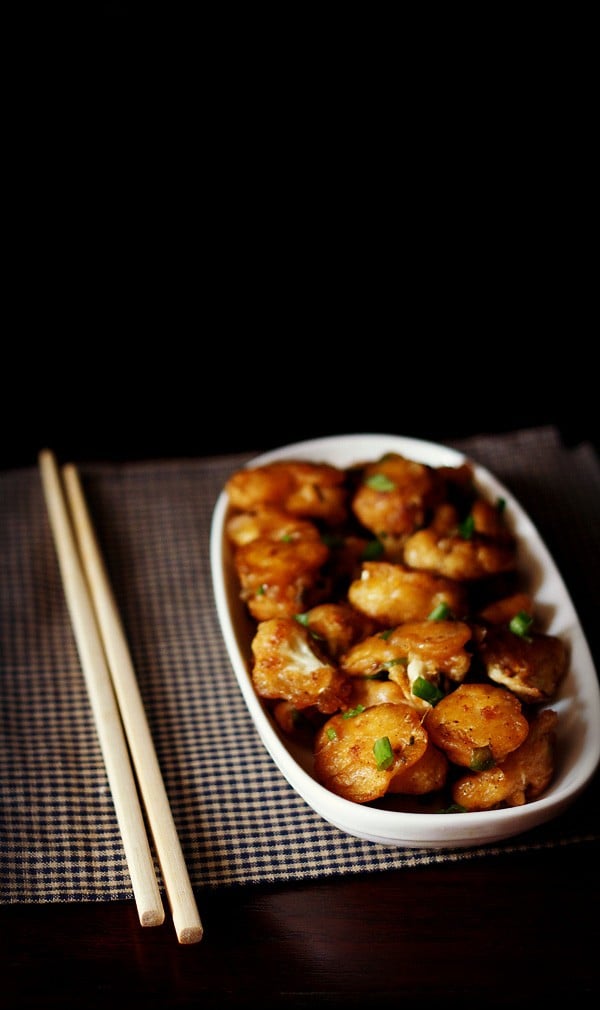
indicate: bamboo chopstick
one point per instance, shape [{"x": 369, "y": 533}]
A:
[
  {"x": 186, "y": 918},
  {"x": 103, "y": 702}
]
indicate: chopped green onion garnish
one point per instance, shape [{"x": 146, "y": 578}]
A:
[
  {"x": 302, "y": 619},
  {"x": 439, "y": 613},
  {"x": 374, "y": 549},
  {"x": 467, "y": 527},
  {"x": 481, "y": 759},
  {"x": 424, "y": 689},
  {"x": 383, "y": 752},
  {"x": 332, "y": 540},
  {"x": 380, "y": 482},
  {"x": 331, "y": 733},
  {"x": 261, "y": 589},
  {"x": 386, "y": 634},
  {"x": 454, "y": 808},
  {"x": 500, "y": 505},
  {"x": 399, "y": 661},
  {"x": 521, "y": 624},
  {"x": 353, "y": 711}
]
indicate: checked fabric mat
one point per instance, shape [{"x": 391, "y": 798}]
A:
[{"x": 238, "y": 819}]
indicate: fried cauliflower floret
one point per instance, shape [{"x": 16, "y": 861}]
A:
[
  {"x": 287, "y": 665},
  {"x": 531, "y": 667},
  {"x": 301, "y": 724},
  {"x": 394, "y": 498},
  {"x": 345, "y": 760},
  {"x": 488, "y": 521},
  {"x": 502, "y": 611},
  {"x": 458, "y": 558},
  {"x": 393, "y": 594},
  {"x": 427, "y": 775},
  {"x": 433, "y": 646},
  {"x": 520, "y": 778},
  {"x": 477, "y": 725},
  {"x": 309, "y": 490},
  {"x": 337, "y": 626},
  {"x": 280, "y": 578},
  {"x": 268, "y": 523},
  {"x": 366, "y": 693}
]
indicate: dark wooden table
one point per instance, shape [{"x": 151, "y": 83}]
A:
[{"x": 512, "y": 930}]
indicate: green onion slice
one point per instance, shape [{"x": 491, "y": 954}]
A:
[
  {"x": 521, "y": 624},
  {"x": 373, "y": 550},
  {"x": 353, "y": 711},
  {"x": 424, "y": 689},
  {"x": 440, "y": 613},
  {"x": 481, "y": 759},
  {"x": 467, "y": 528},
  {"x": 398, "y": 661},
  {"x": 384, "y": 755},
  {"x": 380, "y": 482}
]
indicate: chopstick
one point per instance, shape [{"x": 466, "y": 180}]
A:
[
  {"x": 179, "y": 890},
  {"x": 102, "y": 699}
]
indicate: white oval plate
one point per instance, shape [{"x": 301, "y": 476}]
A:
[{"x": 577, "y": 704}]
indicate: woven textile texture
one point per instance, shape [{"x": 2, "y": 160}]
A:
[{"x": 238, "y": 819}]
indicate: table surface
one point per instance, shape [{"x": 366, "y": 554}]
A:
[
  {"x": 511, "y": 930},
  {"x": 515, "y": 931}
]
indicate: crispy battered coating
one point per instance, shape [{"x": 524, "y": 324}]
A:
[
  {"x": 372, "y": 655},
  {"x": 489, "y": 522},
  {"x": 288, "y": 666},
  {"x": 280, "y": 578},
  {"x": 310, "y": 490},
  {"x": 433, "y": 646},
  {"x": 502, "y": 611},
  {"x": 301, "y": 724},
  {"x": 337, "y": 626},
  {"x": 438, "y": 646},
  {"x": 531, "y": 667},
  {"x": 455, "y": 557},
  {"x": 426, "y": 775},
  {"x": 477, "y": 724},
  {"x": 367, "y": 692},
  {"x": 344, "y": 757},
  {"x": 520, "y": 778},
  {"x": 267, "y": 522},
  {"x": 393, "y": 594},
  {"x": 395, "y": 497}
]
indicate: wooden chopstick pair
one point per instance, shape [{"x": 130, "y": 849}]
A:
[{"x": 117, "y": 708}]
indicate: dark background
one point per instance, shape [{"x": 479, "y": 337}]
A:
[{"x": 242, "y": 249}]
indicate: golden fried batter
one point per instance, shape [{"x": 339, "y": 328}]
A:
[
  {"x": 267, "y": 522},
  {"x": 395, "y": 497},
  {"x": 477, "y": 725},
  {"x": 289, "y": 666},
  {"x": 520, "y": 778},
  {"x": 426, "y": 775},
  {"x": 503, "y": 610},
  {"x": 345, "y": 761},
  {"x": 311, "y": 490},
  {"x": 532, "y": 666},
  {"x": 280, "y": 578},
  {"x": 337, "y": 626},
  {"x": 458, "y": 558},
  {"x": 393, "y": 594}
]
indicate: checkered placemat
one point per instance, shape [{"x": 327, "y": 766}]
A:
[{"x": 238, "y": 819}]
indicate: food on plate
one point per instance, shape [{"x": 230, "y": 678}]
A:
[{"x": 393, "y": 632}]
